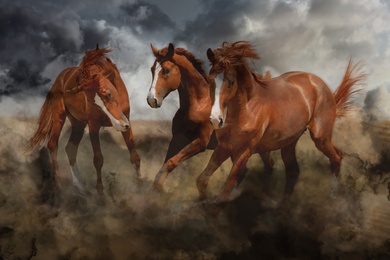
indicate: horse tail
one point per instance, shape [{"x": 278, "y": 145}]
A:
[
  {"x": 347, "y": 89},
  {"x": 45, "y": 124}
]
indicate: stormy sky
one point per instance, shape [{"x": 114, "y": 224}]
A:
[{"x": 41, "y": 38}]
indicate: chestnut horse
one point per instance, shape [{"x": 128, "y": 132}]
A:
[
  {"x": 178, "y": 69},
  {"x": 91, "y": 94},
  {"x": 271, "y": 114}
]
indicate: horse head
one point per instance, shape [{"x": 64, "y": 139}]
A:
[
  {"x": 100, "y": 91},
  {"x": 225, "y": 90},
  {"x": 224, "y": 63},
  {"x": 166, "y": 76}
]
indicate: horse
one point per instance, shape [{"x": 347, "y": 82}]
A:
[
  {"x": 192, "y": 133},
  {"x": 92, "y": 94},
  {"x": 263, "y": 115}
]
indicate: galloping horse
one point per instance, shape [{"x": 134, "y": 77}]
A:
[
  {"x": 91, "y": 94},
  {"x": 178, "y": 69},
  {"x": 271, "y": 114}
]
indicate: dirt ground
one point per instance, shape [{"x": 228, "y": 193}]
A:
[{"x": 127, "y": 223}]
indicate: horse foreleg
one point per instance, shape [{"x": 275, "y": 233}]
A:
[
  {"x": 193, "y": 148},
  {"x": 52, "y": 145},
  {"x": 217, "y": 158},
  {"x": 71, "y": 150},
  {"x": 291, "y": 167},
  {"x": 97, "y": 156},
  {"x": 134, "y": 157},
  {"x": 239, "y": 164},
  {"x": 178, "y": 142}
]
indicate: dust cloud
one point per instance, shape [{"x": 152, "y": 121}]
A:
[{"x": 130, "y": 223}]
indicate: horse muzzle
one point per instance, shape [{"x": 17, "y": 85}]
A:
[
  {"x": 216, "y": 122},
  {"x": 153, "y": 103},
  {"x": 121, "y": 125}
]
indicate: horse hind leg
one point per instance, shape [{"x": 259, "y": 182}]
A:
[
  {"x": 291, "y": 167},
  {"x": 323, "y": 142},
  {"x": 52, "y": 145},
  {"x": 71, "y": 150},
  {"x": 268, "y": 169}
]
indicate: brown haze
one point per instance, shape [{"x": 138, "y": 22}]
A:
[{"x": 127, "y": 224}]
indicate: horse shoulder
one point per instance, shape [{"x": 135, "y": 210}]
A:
[{"x": 75, "y": 103}]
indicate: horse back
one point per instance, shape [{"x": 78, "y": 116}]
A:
[{"x": 290, "y": 103}]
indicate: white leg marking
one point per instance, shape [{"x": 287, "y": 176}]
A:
[{"x": 76, "y": 178}]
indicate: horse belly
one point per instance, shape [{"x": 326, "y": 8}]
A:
[
  {"x": 277, "y": 140},
  {"x": 281, "y": 133}
]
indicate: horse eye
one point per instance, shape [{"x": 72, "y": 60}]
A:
[
  {"x": 109, "y": 96},
  {"x": 231, "y": 83},
  {"x": 165, "y": 71}
]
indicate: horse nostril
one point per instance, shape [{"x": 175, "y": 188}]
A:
[
  {"x": 220, "y": 123},
  {"x": 126, "y": 126},
  {"x": 152, "y": 102}
]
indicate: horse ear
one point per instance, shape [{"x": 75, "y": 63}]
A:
[
  {"x": 210, "y": 55},
  {"x": 97, "y": 46},
  {"x": 154, "y": 50},
  {"x": 171, "y": 50}
]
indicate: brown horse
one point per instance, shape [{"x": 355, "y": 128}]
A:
[
  {"x": 91, "y": 94},
  {"x": 271, "y": 114},
  {"x": 178, "y": 69}
]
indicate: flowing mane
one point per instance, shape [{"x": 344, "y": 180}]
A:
[
  {"x": 232, "y": 54},
  {"x": 195, "y": 62},
  {"x": 92, "y": 56},
  {"x": 92, "y": 64}
]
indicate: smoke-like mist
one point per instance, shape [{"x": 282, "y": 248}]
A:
[{"x": 130, "y": 224}]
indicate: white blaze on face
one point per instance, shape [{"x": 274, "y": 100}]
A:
[
  {"x": 152, "y": 91},
  {"x": 216, "y": 113},
  {"x": 115, "y": 122}
]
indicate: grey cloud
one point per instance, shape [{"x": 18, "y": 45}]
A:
[
  {"x": 94, "y": 35},
  {"x": 218, "y": 22},
  {"x": 36, "y": 34},
  {"x": 148, "y": 16}
]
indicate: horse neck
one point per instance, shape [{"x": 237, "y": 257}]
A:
[
  {"x": 245, "y": 86},
  {"x": 193, "y": 89},
  {"x": 121, "y": 88}
]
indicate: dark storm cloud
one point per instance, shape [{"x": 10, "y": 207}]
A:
[
  {"x": 26, "y": 45},
  {"x": 376, "y": 104},
  {"x": 33, "y": 35},
  {"x": 94, "y": 35},
  {"x": 147, "y": 16},
  {"x": 220, "y": 21},
  {"x": 267, "y": 25}
]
